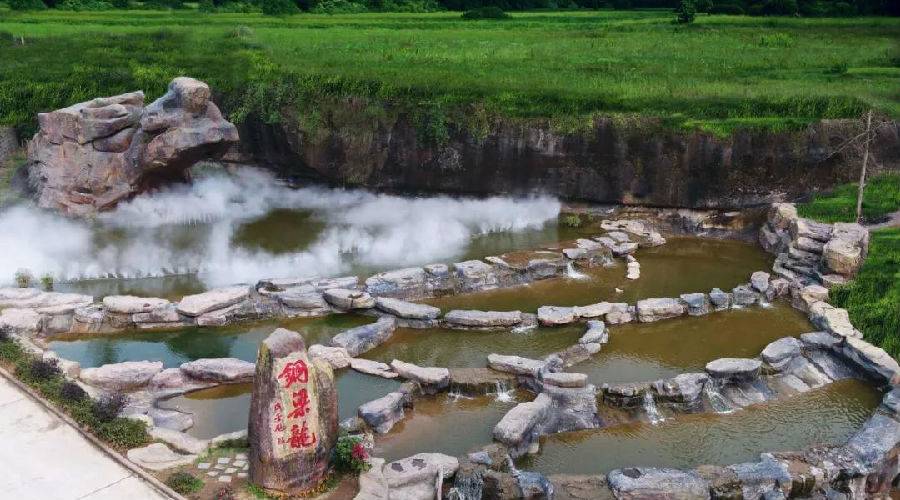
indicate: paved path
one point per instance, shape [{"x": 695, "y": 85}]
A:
[
  {"x": 892, "y": 221},
  {"x": 43, "y": 458}
]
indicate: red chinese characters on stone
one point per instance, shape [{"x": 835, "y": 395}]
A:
[
  {"x": 294, "y": 372},
  {"x": 301, "y": 404},
  {"x": 301, "y": 437}
]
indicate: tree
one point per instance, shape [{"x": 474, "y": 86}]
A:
[
  {"x": 686, "y": 12},
  {"x": 865, "y": 163},
  {"x": 278, "y": 7}
]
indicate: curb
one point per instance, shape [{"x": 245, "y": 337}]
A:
[{"x": 158, "y": 485}]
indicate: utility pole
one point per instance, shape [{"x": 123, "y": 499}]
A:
[{"x": 865, "y": 162}]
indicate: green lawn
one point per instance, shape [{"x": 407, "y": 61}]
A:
[
  {"x": 873, "y": 298},
  {"x": 721, "y": 72}
]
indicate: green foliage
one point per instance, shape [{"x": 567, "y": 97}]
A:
[
  {"x": 80, "y": 5},
  {"x": 686, "y": 12},
  {"x": 206, "y": 6},
  {"x": 350, "y": 455},
  {"x": 776, "y": 40},
  {"x": 881, "y": 197},
  {"x": 873, "y": 298},
  {"x": 108, "y": 407},
  {"x": 123, "y": 432},
  {"x": 47, "y": 282},
  {"x": 26, "y": 5},
  {"x": 485, "y": 13},
  {"x": 72, "y": 392},
  {"x": 24, "y": 278},
  {"x": 278, "y": 7},
  {"x": 184, "y": 483},
  {"x": 121, "y": 4},
  {"x": 703, "y": 5},
  {"x": 727, "y": 9},
  {"x": 780, "y": 8},
  {"x": 338, "y": 7},
  {"x": 571, "y": 220}
]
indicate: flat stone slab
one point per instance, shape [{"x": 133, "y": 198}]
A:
[
  {"x": 220, "y": 369},
  {"x": 220, "y": 298},
  {"x": 343, "y": 298},
  {"x": 515, "y": 364},
  {"x": 565, "y": 379},
  {"x": 685, "y": 388},
  {"x": 647, "y": 482},
  {"x": 364, "y": 338},
  {"x": 157, "y": 456},
  {"x": 128, "y": 304},
  {"x": 518, "y": 425},
  {"x": 407, "y": 310},
  {"x": 180, "y": 441},
  {"x": 482, "y": 319},
  {"x": 122, "y": 376},
  {"x": 337, "y": 357},
  {"x": 370, "y": 367},
  {"x": 742, "y": 369},
  {"x": 555, "y": 316},
  {"x": 781, "y": 351},
  {"x": 655, "y": 309},
  {"x": 436, "y": 378}
]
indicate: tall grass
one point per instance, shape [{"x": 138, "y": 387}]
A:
[{"x": 721, "y": 72}]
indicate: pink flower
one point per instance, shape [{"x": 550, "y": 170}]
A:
[{"x": 359, "y": 452}]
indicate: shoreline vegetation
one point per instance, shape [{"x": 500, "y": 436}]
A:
[
  {"x": 873, "y": 298},
  {"x": 718, "y": 74}
]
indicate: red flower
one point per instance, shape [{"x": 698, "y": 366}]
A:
[{"x": 359, "y": 452}]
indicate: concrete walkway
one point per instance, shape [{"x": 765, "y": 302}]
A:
[{"x": 42, "y": 457}]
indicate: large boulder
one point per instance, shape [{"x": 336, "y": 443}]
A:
[
  {"x": 90, "y": 156},
  {"x": 122, "y": 376},
  {"x": 419, "y": 477},
  {"x": 649, "y": 310},
  {"x": 293, "y": 417},
  {"x": 645, "y": 483},
  {"x": 219, "y": 370},
  {"x": 364, "y": 338}
]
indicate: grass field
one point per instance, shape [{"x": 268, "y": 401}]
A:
[
  {"x": 882, "y": 196},
  {"x": 721, "y": 72}
]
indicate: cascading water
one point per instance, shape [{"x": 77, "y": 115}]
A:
[
  {"x": 504, "y": 393},
  {"x": 575, "y": 274},
  {"x": 716, "y": 400},
  {"x": 652, "y": 410}
]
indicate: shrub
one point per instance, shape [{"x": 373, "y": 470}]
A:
[
  {"x": 571, "y": 220},
  {"x": 107, "y": 408},
  {"x": 278, "y": 7},
  {"x": 26, "y": 5},
  {"x": 71, "y": 392},
  {"x": 727, "y": 9},
  {"x": 686, "y": 12},
  {"x": 41, "y": 370},
  {"x": 10, "y": 350},
  {"x": 485, "y": 13},
  {"x": 206, "y": 6},
  {"x": 350, "y": 455},
  {"x": 780, "y": 8},
  {"x": 838, "y": 68},
  {"x": 47, "y": 282},
  {"x": 123, "y": 433},
  {"x": 338, "y": 7},
  {"x": 24, "y": 278},
  {"x": 121, "y": 4},
  {"x": 841, "y": 9},
  {"x": 184, "y": 483},
  {"x": 703, "y": 5},
  {"x": 83, "y": 5}
]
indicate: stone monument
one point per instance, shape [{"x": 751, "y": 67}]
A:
[{"x": 293, "y": 416}]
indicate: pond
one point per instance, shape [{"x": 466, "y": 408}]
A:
[{"x": 829, "y": 415}]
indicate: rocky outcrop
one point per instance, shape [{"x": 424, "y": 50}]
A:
[
  {"x": 639, "y": 163},
  {"x": 92, "y": 155}
]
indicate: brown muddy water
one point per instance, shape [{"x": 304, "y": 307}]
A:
[
  {"x": 829, "y": 415},
  {"x": 682, "y": 265}
]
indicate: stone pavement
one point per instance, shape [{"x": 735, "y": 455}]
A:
[{"x": 42, "y": 457}]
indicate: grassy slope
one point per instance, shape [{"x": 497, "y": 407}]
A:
[
  {"x": 721, "y": 72},
  {"x": 873, "y": 298}
]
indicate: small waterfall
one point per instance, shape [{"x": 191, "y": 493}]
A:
[
  {"x": 651, "y": 409},
  {"x": 504, "y": 394},
  {"x": 573, "y": 273},
  {"x": 524, "y": 329},
  {"x": 716, "y": 399}
]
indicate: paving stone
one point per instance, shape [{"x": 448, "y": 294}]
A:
[
  {"x": 224, "y": 479},
  {"x": 224, "y": 460},
  {"x": 212, "y": 473},
  {"x": 241, "y": 456},
  {"x": 204, "y": 466},
  {"x": 230, "y": 470},
  {"x": 242, "y": 475},
  {"x": 239, "y": 463}
]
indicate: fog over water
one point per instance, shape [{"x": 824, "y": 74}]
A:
[{"x": 193, "y": 228}]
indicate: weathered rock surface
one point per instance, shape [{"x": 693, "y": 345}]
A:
[
  {"x": 293, "y": 422},
  {"x": 734, "y": 369},
  {"x": 565, "y": 379},
  {"x": 515, "y": 364},
  {"x": 343, "y": 298},
  {"x": 127, "y": 304},
  {"x": 685, "y": 388},
  {"x": 781, "y": 351},
  {"x": 482, "y": 319},
  {"x": 555, "y": 316},
  {"x": 760, "y": 281},
  {"x": 370, "y": 367},
  {"x": 90, "y": 156},
  {"x": 22, "y": 321},
  {"x": 697, "y": 305},
  {"x": 431, "y": 379},
  {"x": 407, "y": 310},
  {"x": 381, "y": 414},
  {"x": 649, "y": 310},
  {"x": 363, "y": 338},
  {"x": 420, "y": 476},
  {"x": 596, "y": 333},
  {"x": 832, "y": 319},
  {"x": 220, "y": 369},
  {"x": 180, "y": 441},
  {"x": 122, "y": 376},
  {"x": 646, "y": 483},
  {"x": 406, "y": 283},
  {"x": 521, "y": 425},
  {"x": 337, "y": 357},
  {"x": 220, "y": 298},
  {"x": 158, "y": 456}
]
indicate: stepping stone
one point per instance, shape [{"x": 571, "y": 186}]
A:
[
  {"x": 224, "y": 460},
  {"x": 241, "y": 456},
  {"x": 224, "y": 479},
  {"x": 212, "y": 473},
  {"x": 239, "y": 463},
  {"x": 221, "y": 466},
  {"x": 242, "y": 475},
  {"x": 230, "y": 470},
  {"x": 204, "y": 465}
]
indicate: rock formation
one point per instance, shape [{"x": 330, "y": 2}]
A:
[
  {"x": 293, "y": 417},
  {"x": 92, "y": 155}
]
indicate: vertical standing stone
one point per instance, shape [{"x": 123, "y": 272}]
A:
[{"x": 293, "y": 416}]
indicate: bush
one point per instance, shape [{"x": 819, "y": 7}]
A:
[
  {"x": 24, "y": 278},
  {"x": 841, "y": 9},
  {"x": 42, "y": 370},
  {"x": 338, "y": 7},
  {"x": 686, "y": 12},
  {"x": 121, "y": 4},
  {"x": 727, "y": 9},
  {"x": 780, "y": 8},
  {"x": 485, "y": 13},
  {"x": 206, "y": 6},
  {"x": 26, "y": 5},
  {"x": 571, "y": 220},
  {"x": 71, "y": 392},
  {"x": 184, "y": 483},
  {"x": 350, "y": 455},
  {"x": 83, "y": 5},
  {"x": 47, "y": 282},
  {"x": 703, "y": 5},
  {"x": 123, "y": 433},
  {"x": 278, "y": 7},
  {"x": 107, "y": 408}
]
